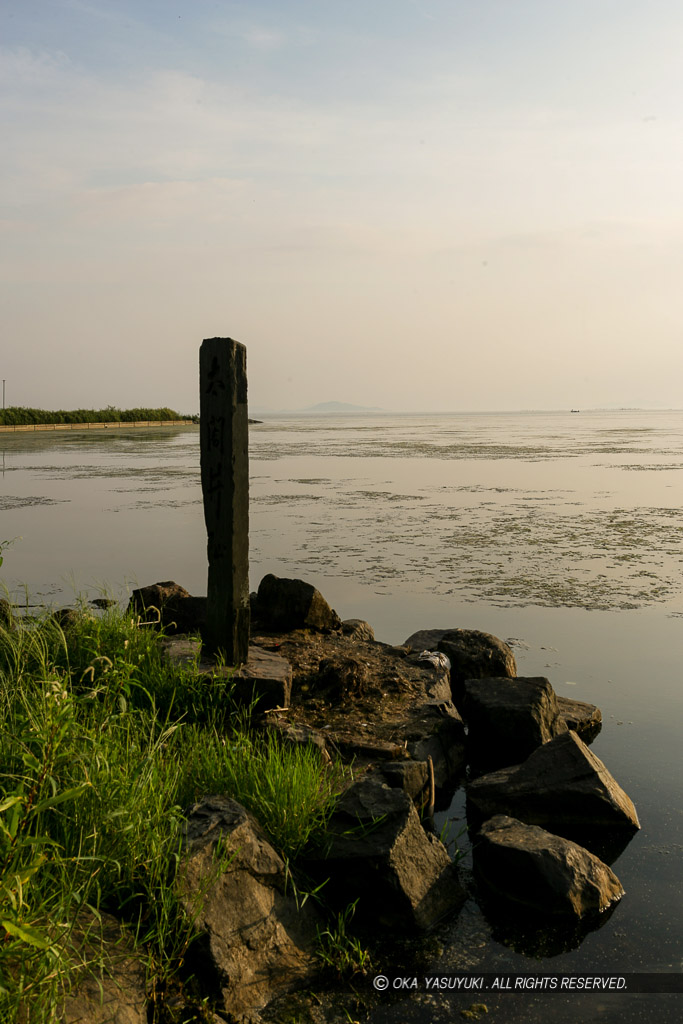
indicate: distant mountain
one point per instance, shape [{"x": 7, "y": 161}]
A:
[{"x": 341, "y": 407}]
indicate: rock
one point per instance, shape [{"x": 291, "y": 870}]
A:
[
  {"x": 424, "y": 639},
  {"x": 264, "y": 681},
  {"x": 186, "y": 615},
  {"x": 342, "y": 678},
  {"x": 583, "y": 719},
  {"x": 157, "y": 599},
  {"x": 380, "y": 855},
  {"x": 285, "y": 604},
  {"x": 437, "y": 731},
  {"x": 543, "y": 872},
  {"x": 298, "y": 735},
  {"x": 255, "y": 942},
  {"x": 114, "y": 992},
  {"x": 181, "y": 650},
  {"x": 358, "y": 629},
  {"x": 359, "y": 748},
  {"x": 390, "y": 706},
  {"x": 410, "y": 776},
  {"x": 562, "y": 787},
  {"x": 508, "y": 718},
  {"x": 70, "y": 618},
  {"x": 472, "y": 654}
]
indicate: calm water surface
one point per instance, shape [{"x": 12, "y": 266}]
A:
[{"x": 560, "y": 532}]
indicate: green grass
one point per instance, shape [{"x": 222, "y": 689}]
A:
[{"x": 102, "y": 747}]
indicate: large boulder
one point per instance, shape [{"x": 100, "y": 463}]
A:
[
  {"x": 508, "y": 718},
  {"x": 562, "y": 787},
  {"x": 284, "y": 604},
  {"x": 256, "y": 940},
  {"x": 380, "y": 855},
  {"x": 542, "y": 872},
  {"x": 358, "y": 629},
  {"x": 108, "y": 976},
  {"x": 472, "y": 654}
]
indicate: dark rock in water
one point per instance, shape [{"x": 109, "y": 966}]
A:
[
  {"x": 108, "y": 975},
  {"x": 583, "y": 719},
  {"x": 103, "y": 602},
  {"x": 542, "y": 872},
  {"x": 563, "y": 787},
  {"x": 472, "y": 654},
  {"x": 380, "y": 854},
  {"x": 284, "y": 604},
  {"x": 255, "y": 941},
  {"x": 508, "y": 718},
  {"x": 358, "y": 629}
]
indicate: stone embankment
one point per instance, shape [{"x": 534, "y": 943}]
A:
[
  {"x": 544, "y": 813},
  {"x": 23, "y": 428}
]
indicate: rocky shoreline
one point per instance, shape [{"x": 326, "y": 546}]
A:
[
  {"x": 415, "y": 721},
  {"x": 412, "y": 724}
]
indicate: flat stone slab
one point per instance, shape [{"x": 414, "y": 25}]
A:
[
  {"x": 181, "y": 650},
  {"x": 542, "y": 872},
  {"x": 265, "y": 678}
]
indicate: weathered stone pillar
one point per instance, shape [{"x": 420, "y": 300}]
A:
[{"x": 223, "y": 434}]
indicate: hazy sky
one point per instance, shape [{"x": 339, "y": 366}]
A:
[{"x": 415, "y": 204}]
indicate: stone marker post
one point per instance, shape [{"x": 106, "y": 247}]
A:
[{"x": 223, "y": 435}]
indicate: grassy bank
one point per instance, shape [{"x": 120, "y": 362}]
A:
[
  {"x": 102, "y": 746},
  {"x": 19, "y": 416}
]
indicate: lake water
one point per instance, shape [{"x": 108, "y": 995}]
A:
[{"x": 559, "y": 532}]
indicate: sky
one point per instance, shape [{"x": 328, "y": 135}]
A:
[{"x": 413, "y": 204}]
